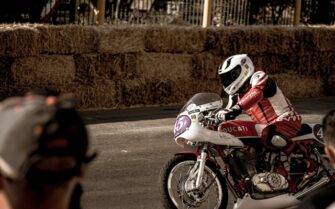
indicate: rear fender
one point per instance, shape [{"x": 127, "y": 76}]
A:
[{"x": 310, "y": 132}]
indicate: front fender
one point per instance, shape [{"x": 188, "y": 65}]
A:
[{"x": 188, "y": 153}]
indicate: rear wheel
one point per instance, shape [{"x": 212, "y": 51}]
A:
[{"x": 174, "y": 181}]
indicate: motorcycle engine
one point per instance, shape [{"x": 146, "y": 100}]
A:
[
  {"x": 264, "y": 179},
  {"x": 247, "y": 160},
  {"x": 269, "y": 182},
  {"x": 268, "y": 172}
]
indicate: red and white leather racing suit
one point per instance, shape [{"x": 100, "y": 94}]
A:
[{"x": 265, "y": 103}]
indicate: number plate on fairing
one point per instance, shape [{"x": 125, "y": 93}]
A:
[
  {"x": 183, "y": 122},
  {"x": 318, "y": 133}
]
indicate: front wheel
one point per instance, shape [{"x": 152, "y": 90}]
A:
[{"x": 175, "y": 179}]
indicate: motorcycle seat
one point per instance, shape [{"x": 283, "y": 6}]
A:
[{"x": 304, "y": 129}]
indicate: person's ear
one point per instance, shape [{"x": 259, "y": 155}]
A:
[{"x": 330, "y": 152}]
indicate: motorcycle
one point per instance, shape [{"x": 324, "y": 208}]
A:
[{"x": 218, "y": 158}]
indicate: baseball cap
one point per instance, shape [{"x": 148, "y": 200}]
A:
[{"x": 42, "y": 139}]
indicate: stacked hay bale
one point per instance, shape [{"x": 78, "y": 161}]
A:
[
  {"x": 117, "y": 67},
  {"x": 292, "y": 56}
]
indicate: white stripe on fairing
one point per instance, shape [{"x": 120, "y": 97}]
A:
[
  {"x": 279, "y": 103},
  {"x": 303, "y": 137},
  {"x": 259, "y": 128}
]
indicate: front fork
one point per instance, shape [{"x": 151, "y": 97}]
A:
[{"x": 197, "y": 171}]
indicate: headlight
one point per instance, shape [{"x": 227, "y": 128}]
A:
[{"x": 181, "y": 142}]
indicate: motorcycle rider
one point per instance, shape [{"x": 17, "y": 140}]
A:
[{"x": 258, "y": 95}]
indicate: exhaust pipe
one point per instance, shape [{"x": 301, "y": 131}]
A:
[
  {"x": 323, "y": 181},
  {"x": 281, "y": 201}
]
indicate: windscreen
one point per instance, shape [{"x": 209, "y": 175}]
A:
[{"x": 201, "y": 99}]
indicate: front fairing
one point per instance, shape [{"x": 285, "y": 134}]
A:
[
  {"x": 189, "y": 126},
  {"x": 193, "y": 132}
]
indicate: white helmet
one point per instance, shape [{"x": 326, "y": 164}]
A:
[{"x": 235, "y": 71}]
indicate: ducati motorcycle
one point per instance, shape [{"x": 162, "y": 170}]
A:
[{"x": 228, "y": 159}]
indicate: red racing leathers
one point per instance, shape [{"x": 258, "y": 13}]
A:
[{"x": 265, "y": 103}]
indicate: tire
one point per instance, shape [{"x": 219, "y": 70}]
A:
[{"x": 172, "y": 184}]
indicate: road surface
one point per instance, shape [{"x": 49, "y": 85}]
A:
[{"x": 133, "y": 145}]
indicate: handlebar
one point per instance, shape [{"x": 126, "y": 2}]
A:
[{"x": 211, "y": 120}]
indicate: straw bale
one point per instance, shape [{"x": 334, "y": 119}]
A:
[
  {"x": 312, "y": 63},
  {"x": 205, "y": 65},
  {"x": 68, "y": 39},
  {"x": 320, "y": 38},
  {"x": 298, "y": 86},
  {"x": 19, "y": 40},
  {"x": 91, "y": 68},
  {"x": 5, "y": 71},
  {"x": 44, "y": 70},
  {"x": 185, "y": 89},
  {"x": 330, "y": 85},
  {"x": 175, "y": 39},
  {"x": 280, "y": 40},
  {"x": 212, "y": 43},
  {"x": 307, "y": 38},
  {"x": 128, "y": 65},
  {"x": 5, "y": 92},
  {"x": 158, "y": 92},
  {"x": 229, "y": 39},
  {"x": 307, "y": 63},
  {"x": 165, "y": 65},
  {"x": 119, "y": 66},
  {"x": 102, "y": 95},
  {"x": 121, "y": 39},
  {"x": 206, "y": 85},
  {"x": 274, "y": 63},
  {"x": 257, "y": 39},
  {"x": 142, "y": 91},
  {"x": 85, "y": 67},
  {"x": 10, "y": 90},
  {"x": 326, "y": 38},
  {"x": 315, "y": 63}
]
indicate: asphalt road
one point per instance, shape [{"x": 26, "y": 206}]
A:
[{"x": 133, "y": 145}]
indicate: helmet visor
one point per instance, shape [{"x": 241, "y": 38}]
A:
[{"x": 230, "y": 76}]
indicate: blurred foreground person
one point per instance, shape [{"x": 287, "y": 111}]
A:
[
  {"x": 325, "y": 197},
  {"x": 43, "y": 152}
]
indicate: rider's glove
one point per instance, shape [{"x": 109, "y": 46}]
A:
[{"x": 228, "y": 114}]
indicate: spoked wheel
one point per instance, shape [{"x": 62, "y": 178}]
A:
[{"x": 176, "y": 184}]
